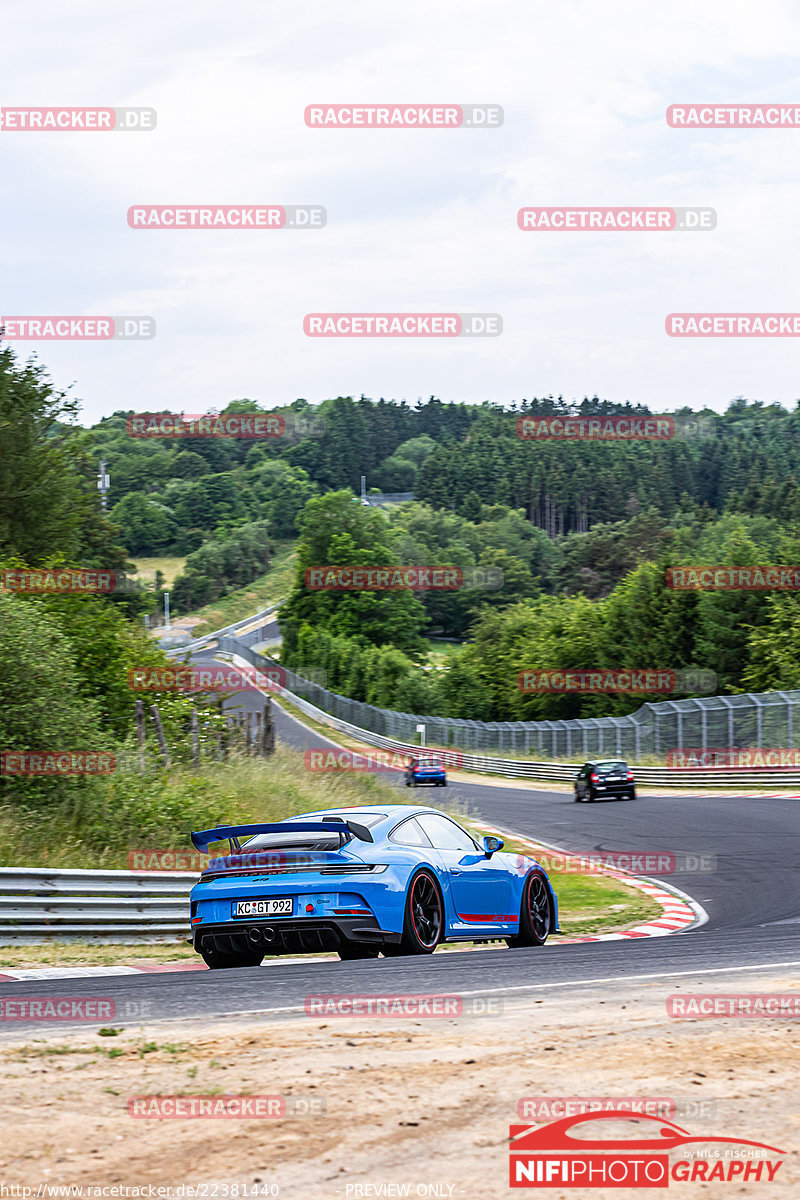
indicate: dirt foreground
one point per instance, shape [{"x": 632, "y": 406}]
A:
[{"x": 387, "y": 1107}]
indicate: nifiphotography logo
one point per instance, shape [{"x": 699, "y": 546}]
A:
[{"x": 554, "y": 1155}]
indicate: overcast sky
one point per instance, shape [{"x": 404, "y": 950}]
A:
[{"x": 418, "y": 220}]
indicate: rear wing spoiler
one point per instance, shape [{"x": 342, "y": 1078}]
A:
[{"x": 346, "y": 830}]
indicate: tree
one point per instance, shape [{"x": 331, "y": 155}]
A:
[
  {"x": 471, "y": 508},
  {"x": 337, "y": 531},
  {"x": 48, "y": 494},
  {"x": 146, "y": 527},
  {"x": 773, "y": 649},
  {"x": 396, "y": 474},
  {"x": 187, "y": 465},
  {"x": 42, "y": 703}
]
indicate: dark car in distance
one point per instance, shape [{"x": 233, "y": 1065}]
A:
[{"x": 602, "y": 778}]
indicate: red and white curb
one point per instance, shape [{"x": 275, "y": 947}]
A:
[{"x": 679, "y": 910}]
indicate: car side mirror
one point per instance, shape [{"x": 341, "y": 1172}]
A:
[{"x": 491, "y": 845}]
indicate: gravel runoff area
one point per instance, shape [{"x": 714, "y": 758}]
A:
[{"x": 395, "y": 1105}]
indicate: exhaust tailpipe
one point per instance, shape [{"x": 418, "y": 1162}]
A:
[{"x": 257, "y": 936}]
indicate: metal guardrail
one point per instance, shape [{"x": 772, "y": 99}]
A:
[
  {"x": 752, "y": 719},
  {"x": 525, "y": 768},
  {"x": 240, "y": 628},
  {"x": 38, "y": 903}
]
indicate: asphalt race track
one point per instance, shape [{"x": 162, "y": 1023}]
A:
[{"x": 752, "y": 898}]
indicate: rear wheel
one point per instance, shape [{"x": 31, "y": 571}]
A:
[
  {"x": 219, "y": 959},
  {"x": 632, "y": 794},
  {"x": 423, "y": 922},
  {"x": 536, "y": 914},
  {"x": 576, "y": 797}
]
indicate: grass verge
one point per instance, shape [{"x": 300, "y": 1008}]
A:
[
  {"x": 170, "y": 567},
  {"x": 263, "y": 591}
]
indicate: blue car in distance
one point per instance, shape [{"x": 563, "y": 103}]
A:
[
  {"x": 401, "y": 879},
  {"x": 425, "y": 772}
]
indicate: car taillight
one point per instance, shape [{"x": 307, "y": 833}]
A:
[
  {"x": 630, "y": 776},
  {"x": 595, "y": 778}
]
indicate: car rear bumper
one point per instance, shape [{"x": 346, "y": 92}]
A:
[{"x": 293, "y": 935}]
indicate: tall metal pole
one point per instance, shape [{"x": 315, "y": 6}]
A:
[{"x": 103, "y": 483}]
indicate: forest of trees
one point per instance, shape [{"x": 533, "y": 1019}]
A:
[
  {"x": 581, "y": 532},
  {"x": 174, "y": 496}
]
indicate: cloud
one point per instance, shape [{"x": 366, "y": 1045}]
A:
[{"x": 418, "y": 220}]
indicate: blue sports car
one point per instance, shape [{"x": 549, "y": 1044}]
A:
[
  {"x": 425, "y": 772},
  {"x": 363, "y": 881}
]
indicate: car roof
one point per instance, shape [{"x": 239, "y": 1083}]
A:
[{"x": 394, "y": 812}]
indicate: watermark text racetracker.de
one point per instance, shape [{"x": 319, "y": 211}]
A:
[
  {"x": 226, "y": 1107},
  {"x": 150, "y": 859},
  {"x": 734, "y": 116},
  {"x": 402, "y": 324},
  {"x": 391, "y": 578},
  {"x": 632, "y": 862},
  {"x": 377, "y": 760},
  {"x": 77, "y": 329},
  {"x": 77, "y": 120},
  {"x": 227, "y": 216},
  {"x": 689, "y": 1005},
  {"x": 761, "y": 578},
  {"x": 214, "y": 678},
  {"x": 71, "y": 1009},
  {"x": 627, "y": 219},
  {"x": 694, "y": 758},
  {"x": 620, "y": 427},
  {"x": 204, "y": 425},
  {"x": 403, "y": 116},
  {"x": 742, "y": 324},
  {"x": 553, "y": 1108},
  {"x": 402, "y": 1004},
  {"x": 629, "y": 681},
  {"x": 55, "y": 581},
  {"x": 56, "y": 762}
]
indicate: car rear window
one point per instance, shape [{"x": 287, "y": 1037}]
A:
[
  {"x": 298, "y": 840},
  {"x": 444, "y": 833},
  {"x": 293, "y": 840},
  {"x": 611, "y": 768},
  {"x": 409, "y": 834},
  {"x": 363, "y": 818}
]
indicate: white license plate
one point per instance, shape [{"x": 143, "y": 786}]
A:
[{"x": 279, "y": 907}]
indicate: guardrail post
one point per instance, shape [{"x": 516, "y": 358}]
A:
[{"x": 257, "y": 734}]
